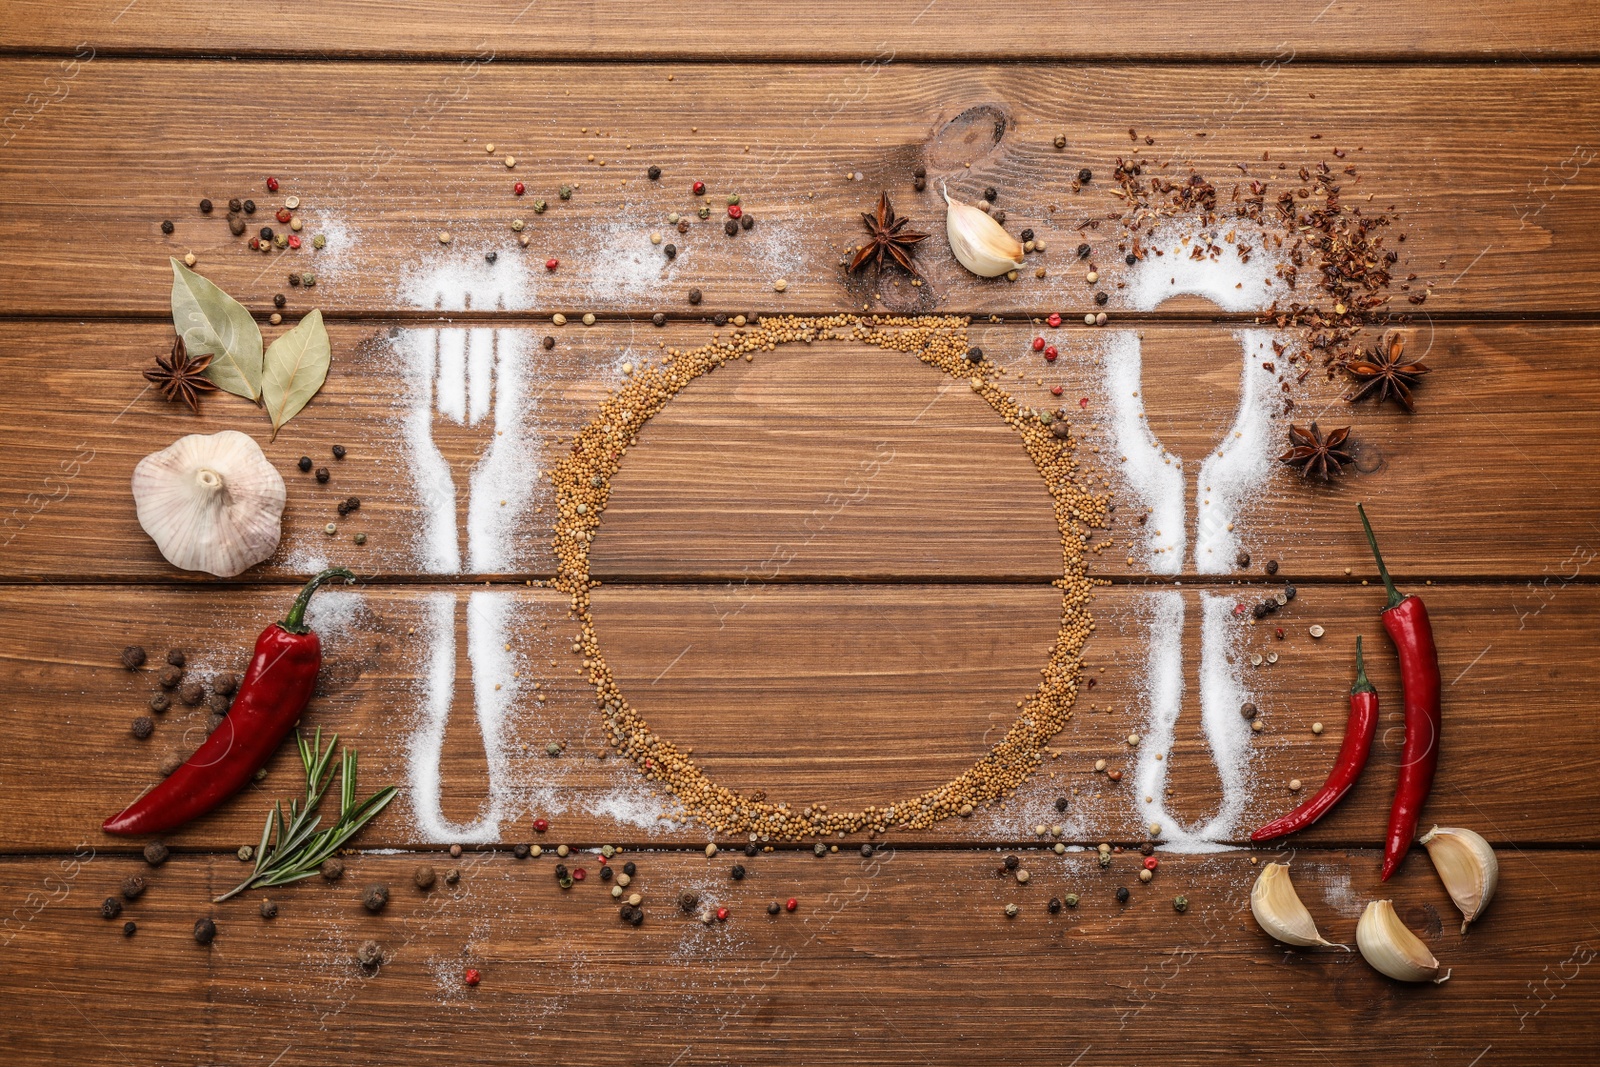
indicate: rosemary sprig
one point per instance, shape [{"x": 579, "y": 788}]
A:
[{"x": 292, "y": 849}]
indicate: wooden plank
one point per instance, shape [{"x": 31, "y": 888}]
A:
[
  {"x": 83, "y": 195},
  {"x": 815, "y": 694},
  {"x": 936, "y": 968},
  {"x": 774, "y": 461},
  {"x": 901, "y": 31}
]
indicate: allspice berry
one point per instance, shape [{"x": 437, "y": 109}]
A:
[
  {"x": 333, "y": 868},
  {"x": 132, "y": 886},
  {"x": 226, "y": 683},
  {"x": 160, "y": 702},
  {"x": 170, "y": 677},
  {"x": 688, "y": 900},
  {"x": 176, "y": 657},
  {"x": 155, "y": 853},
  {"x": 424, "y": 877},
  {"x": 269, "y": 908},
  {"x": 133, "y": 657},
  {"x": 191, "y": 693},
  {"x": 369, "y": 955},
  {"x": 169, "y": 763},
  {"x": 375, "y": 897},
  {"x": 143, "y": 727},
  {"x": 110, "y": 908},
  {"x": 205, "y": 931}
]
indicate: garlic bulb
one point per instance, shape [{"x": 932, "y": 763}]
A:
[
  {"x": 1467, "y": 866},
  {"x": 1278, "y": 910},
  {"x": 1385, "y": 943},
  {"x": 210, "y": 504},
  {"x": 980, "y": 243}
]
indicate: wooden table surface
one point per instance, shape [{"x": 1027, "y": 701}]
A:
[{"x": 823, "y": 572}]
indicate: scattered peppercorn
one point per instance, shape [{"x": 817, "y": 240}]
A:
[
  {"x": 249, "y": 207},
  {"x": 1061, "y": 803},
  {"x": 866, "y": 849},
  {"x": 548, "y": 342},
  {"x": 143, "y": 727},
  {"x": 1027, "y": 235},
  {"x": 130, "y": 928},
  {"x": 156, "y": 853},
  {"x": 333, "y": 868},
  {"x": 774, "y": 908},
  {"x": 349, "y": 504},
  {"x": 1012, "y": 863},
  {"x": 322, "y": 476},
  {"x": 752, "y": 850},
  {"x": 369, "y": 955},
  {"x": 191, "y": 693},
  {"x": 1012, "y": 910},
  {"x": 1180, "y": 904},
  {"x": 630, "y": 869},
  {"x": 452, "y": 876},
  {"x": 731, "y": 228},
  {"x": 268, "y": 909},
  {"x": 1100, "y": 298},
  {"x": 694, "y": 296},
  {"x": 653, "y": 172},
  {"x": 819, "y": 849},
  {"x": 110, "y": 908},
  {"x": 1272, "y": 566},
  {"x": 736, "y": 872},
  {"x": 375, "y": 897},
  {"x": 160, "y": 702},
  {"x": 133, "y": 657},
  {"x": 226, "y": 683},
  {"x": 1122, "y": 894},
  {"x": 205, "y": 207},
  {"x": 1054, "y": 906},
  {"x": 1130, "y": 259},
  {"x": 520, "y": 851},
  {"x": 1083, "y": 251},
  {"x": 205, "y": 930},
  {"x": 658, "y": 319},
  {"x": 472, "y": 977},
  {"x": 989, "y": 193},
  {"x": 1085, "y": 176}
]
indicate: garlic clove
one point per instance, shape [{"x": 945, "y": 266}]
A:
[
  {"x": 1280, "y": 913},
  {"x": 1467, "y": 866},
  {"x": 210, "y": 503},
  {"x": 980, "y": 243},
  {"x": 1392, "y": 949}
]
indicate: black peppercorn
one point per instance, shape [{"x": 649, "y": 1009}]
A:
[
  {"x": 1147, "y": 849},
  {"x": 694, "y": 296},
  {"x": 1100, "y": 298},
  {"x": 1083, "y": 251},
  {"x": 369, "y": 955},
  {"x": 133, "y": 657},
  {"x": 132, "y": 886},
  {"x": 333, "y": 869},
  {"x": 1259, "y": 611},
  {"x": 205, "y": 207},
  {"x": 322, "y": 475},
  {"x": 1122, "y": 894},
  {"x": 249, "y": 207},
  {"x": 110, "y": 908},
  {"x": 752, "y": 850},
  {"x": 736, "y": 872},
  {"x": 1272, "y": 566},
  {"x": 520, "y": 851},
  {"x": 338, "y": 451},
  {"x": 637, "y": 918},
  {"x": 1054, "y": 906},
  {"x": 719, "y": 319},
  {"x": 130, "y": 928},
  {"x": 156, "y": 853},
  {"x": 191, "y": 693},
  {"x": 670, "y": 251},
  {"x": 625, "y": 913},
  {"x": 1085, "y": 176},
  {"x": 548, "y": 342},
  {"x": 235, "y": 224},
  {"x": 266, "y": 233},
  {"x": 375, "y": 897},
  {"x": 235, "y": 205},
  {"x": 919, "y": 184},
  {"x": 731, "y": 227},
  {"x": 1012, "y": 863},
  {"x": 170, "y": 677},
  {"x": 774, "y": 908},
  {"x": 560, "y": 872},
  {"x": 176, "y": 657},
  {"x": 1271, "y": 606},
  {"x": 279, "y": 300},
  {"x": 629, "y": 869},
  {"x": 294, "y": 280},
  {"x": 974, "y": 354},
  {"x": 1290, "y": 591},
  {"x": 269, "y": 909},
  {"x": 1000, "y": 217},
  {"x": 1248, "y": 710},
  {"x": 490, "y": 257},
  {"x": 1061, "y": 803},
  {"x": 653, "y": 173},
  {"x": 1027, "y": 235},
  {"x": 305, "y": 463},
  {"x": 658, "y": 319},
  {"x": 746, "y": 221},
  {"x": 205, "y": 931},
  {"x": 1130, "y": 259},
  {"x": 919, "y": 171},
  {"x": 143, "y": 727},
  {"x": 866, "y": 849},
  {"x": 605, "y": 874},
  {"x": 160, "y": 702},
  {"x": 349, "y": 504},
  {"x": 226, "y": 683},
  {"x": 989, "y": 194},
  {"x": 166, "y": 226}
]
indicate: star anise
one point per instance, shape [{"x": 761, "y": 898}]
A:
[
  {"x": 1314, "y": 453},
  {"x": 181, "y": 378},
  {"x": 1386, "y": 372},
  {"x": 887, "y": 234}
]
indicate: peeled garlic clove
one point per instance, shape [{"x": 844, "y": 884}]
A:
[
  {"x": 1385, "y": 943},
  {"x": 1278, "y": 910},
  {"x": 210, "y": 504},
  {"x": 1467, "y": 866},
  {"x": 980, "y": 243}
]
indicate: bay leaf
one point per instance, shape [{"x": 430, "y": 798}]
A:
[
  {"x": 296, "y": 365},
  {"x": 212, "y": 322}
]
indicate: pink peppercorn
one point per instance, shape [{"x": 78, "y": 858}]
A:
[
  {"x": 1054, "y": 320},
  {"x": 1083, "y": 402},
  {"x": 519, "y": 188},
  {"x": 699, "y": 188},
  {"x": 283, "y": 215},
  {"x": 552, "y": 263},
  {"x": 1050, "y": 353},
  {"x": 734, "y": 211},
  {"x": 1055, "y": 390},
  {"x": 579, "y": 874},
  {"x": 294, "y": 240},
  {"x": 1038, "y": 344},
  {"x": 472, "y": 977},
  {"x": 722, "y": 915},
  {"x": 272, "y": 185},
  {"x": 1151, "y": 863},
  {"x": 791, "y": 904},
  {"x": 541, "y": 825}
]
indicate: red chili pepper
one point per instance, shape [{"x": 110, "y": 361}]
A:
[
  {"x": 276, "y": 688},
  {"x": 1406, "y": 619},
  {"x": 1359, "y": 730}
]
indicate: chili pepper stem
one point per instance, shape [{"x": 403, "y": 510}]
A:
[
  {"x": 1388, "y": 583},
  {"x": 1361, "y": 685},
  {"x": 295, "y": 621}
]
